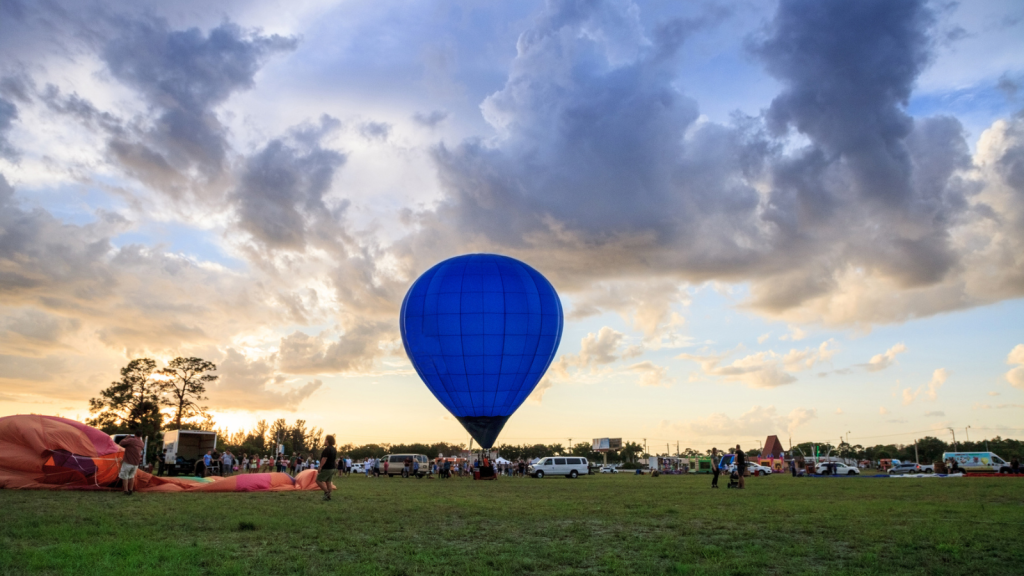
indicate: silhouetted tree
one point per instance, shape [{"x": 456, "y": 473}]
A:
[
  {"x": 186, "y": 385},
  {"x": 132, "y": 402}
]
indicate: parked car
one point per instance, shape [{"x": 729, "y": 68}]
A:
[
  {"x": 568, "y": 466},
  {"x": 841, "y": 469},
  {"x": 397, "y": 461},
  {"x": 758, "y": 469},
  {"x": 752, "y": 469},
  {"x": 357, "y": 468},
  {"x": 904, "y": 468},
  {"x": 609, "y": 470}
]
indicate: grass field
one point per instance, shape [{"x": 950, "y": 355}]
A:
[{"x": 606, "y": 524}]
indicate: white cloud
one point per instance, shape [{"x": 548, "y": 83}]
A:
[
  {"x": 795, "y": 334},
  {"x": 1016, "y": 375},
  {"x": 883, "y": 411},
  {"x": 758, "y": 422},
  {"x": 882, "y": 361},
  {"x": 651, "y": 374},
  {"x": 763, "y": 369},
  {"x": 931, "y": 389}
]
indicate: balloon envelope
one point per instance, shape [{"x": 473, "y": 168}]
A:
[{"x": 481, "y": 330}]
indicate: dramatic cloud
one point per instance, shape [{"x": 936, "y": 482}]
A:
[
  {"x": 432, "y": 119},
  {"x": 256, "y": 385},
  {"x": 281, "y": 190},
  {"x": 355, "y": 350},
  {"x": 183, "y": 75},
  {"x": 600, "y": 159},
  {"x": 1016, "y": 375},
  {"x": 8, "y": 113}
]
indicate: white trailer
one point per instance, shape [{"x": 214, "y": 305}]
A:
[{"x": 184, "y": 447}]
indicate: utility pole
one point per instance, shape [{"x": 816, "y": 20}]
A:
[
  {"x": 967, "y": 431},
  {"x": 668, "y": 451},
  {"x": 955, "y": 449},
  {"x": 645, "y": 447},
  {"x": 570, "y": 445},
  {"x": 677, "y": 448},
  {"x": 917, "y": 459}
]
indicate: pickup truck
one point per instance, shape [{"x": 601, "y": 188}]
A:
[{"x": 910, "y": 468}]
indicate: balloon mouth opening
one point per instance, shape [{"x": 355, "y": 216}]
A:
[{"x": 483, "y": 429}]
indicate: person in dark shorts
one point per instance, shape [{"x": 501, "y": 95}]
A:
[
  {"x": 328, "y": 467},
  {"x": 741, "y": 464},
  {"x": 714, "y": 467}
]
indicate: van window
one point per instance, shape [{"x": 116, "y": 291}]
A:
[
  {"x": 398, "y": 459},
  {"x": 559, "y": 461},
  {"x": 543, "y": 462},
  {"x": 573, "y": 461}
]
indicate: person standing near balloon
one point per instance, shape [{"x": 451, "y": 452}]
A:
[
  {"x": 741, "y": 464},
  {"x": 132, "y": 460},
  {"x": 715, "y": 471},
  {"x": 328, "y": 467}
]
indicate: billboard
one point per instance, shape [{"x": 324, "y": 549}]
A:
[{"x": 605, "y": 444}]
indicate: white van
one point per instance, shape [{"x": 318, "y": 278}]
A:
[
  {"x": 978, "y": 461},
  {"x": 568, "y": 466},
  {"x": 397, "y": 461}
]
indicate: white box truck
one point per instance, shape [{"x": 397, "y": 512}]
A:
[
  {"x": 978, "y": 461},
  {"x": 184, "y": 447}
]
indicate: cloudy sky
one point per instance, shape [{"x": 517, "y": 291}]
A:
[{"x": 800, "y": 218}]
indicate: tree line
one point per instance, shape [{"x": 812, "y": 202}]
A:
[{"x": 141, "y": 396}]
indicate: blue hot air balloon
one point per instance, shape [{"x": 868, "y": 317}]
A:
[{"x": 481, "y": 330}]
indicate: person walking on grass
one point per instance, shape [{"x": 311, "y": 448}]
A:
[
  {"x": 132, "y": 460},
  {"x": 328, "y": 466},
  {"x": 741, "y": 464},
  {"x": 715, "y": 471}
]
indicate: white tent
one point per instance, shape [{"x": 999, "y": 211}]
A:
[{"x": 500, "y": 460}]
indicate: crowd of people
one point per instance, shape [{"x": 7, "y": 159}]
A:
[{"x": 226, "y": 464}]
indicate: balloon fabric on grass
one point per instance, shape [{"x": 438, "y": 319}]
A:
[{"x": 481, "y": 330}]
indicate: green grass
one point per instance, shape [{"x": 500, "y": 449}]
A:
[{"x": 600, "y": 525}]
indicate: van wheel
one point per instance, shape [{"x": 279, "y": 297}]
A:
[
  {"x": 539, "y": 474},
  {"x": 573, "y": 474},
  {"x": 391, "y": 475}
]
